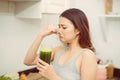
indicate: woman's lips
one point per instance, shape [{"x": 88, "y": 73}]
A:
[{"x": 60, "y": 36}]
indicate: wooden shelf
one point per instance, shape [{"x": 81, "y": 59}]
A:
[
  {"x": 110, "y": 16},
  {"x": 29, "y": 9}
]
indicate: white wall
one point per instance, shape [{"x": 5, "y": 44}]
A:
[{"x": 16, "y": 35}]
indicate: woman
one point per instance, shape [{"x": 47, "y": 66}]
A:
[{"x": 76, "y": 60}]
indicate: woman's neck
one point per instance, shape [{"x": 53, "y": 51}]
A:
[{"x": 73, "y": 47}]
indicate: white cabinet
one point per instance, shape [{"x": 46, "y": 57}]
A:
[
  {"x": 35, "y": 8},
  {"x": 54, "y": 6}
]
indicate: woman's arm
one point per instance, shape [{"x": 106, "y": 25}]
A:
[
  {"x": 88, "y": 66},
  {"x": 30, "y": 58}
]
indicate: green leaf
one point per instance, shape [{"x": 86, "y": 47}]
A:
[{"x": 5, "y": 78}]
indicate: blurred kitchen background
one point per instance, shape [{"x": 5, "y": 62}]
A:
[{"x": 22, "y": 20}]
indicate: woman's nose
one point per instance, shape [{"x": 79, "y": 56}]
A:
[{"x": 58, "y": 30}]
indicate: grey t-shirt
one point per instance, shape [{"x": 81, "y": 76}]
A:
[{"x": 69, "y": 70}]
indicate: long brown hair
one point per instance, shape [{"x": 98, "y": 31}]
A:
[{"x": 80, "y": 22}]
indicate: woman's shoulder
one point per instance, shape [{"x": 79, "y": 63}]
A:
[
  {"x": 58, "y": 48},
  {"x": 88, "y": 53},
  {"x": 89, "y": 57}
]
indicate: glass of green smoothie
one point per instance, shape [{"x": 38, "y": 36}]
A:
[{"x": 45, "y": 54}]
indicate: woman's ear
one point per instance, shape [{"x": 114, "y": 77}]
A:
[{"x": 77, "y": 31}]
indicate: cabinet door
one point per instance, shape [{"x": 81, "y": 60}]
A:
[{"x": 54, "y": 6}]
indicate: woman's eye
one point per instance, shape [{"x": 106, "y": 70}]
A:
[{"x": 64, "y": 27}]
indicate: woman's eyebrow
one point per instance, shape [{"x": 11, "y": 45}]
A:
[{"x": 61, "y": 24}]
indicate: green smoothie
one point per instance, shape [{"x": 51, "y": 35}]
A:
[{"x": 45, "y": 54}]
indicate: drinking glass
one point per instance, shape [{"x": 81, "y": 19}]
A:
[{"x": 45, "y": 53}]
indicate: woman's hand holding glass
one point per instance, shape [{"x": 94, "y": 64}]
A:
[{"x": 45, "y": 69}]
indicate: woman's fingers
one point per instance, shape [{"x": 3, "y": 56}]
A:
[
  {"x": 41, "y": 65},
  {"x": 42, "y": 62},
  {"x": 52, "y": 28},
  {"x": 40, "y": 69},
  {"x": 49, "y": 30}
]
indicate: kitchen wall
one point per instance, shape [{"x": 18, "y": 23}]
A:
[{"x": 17, "y": 34}]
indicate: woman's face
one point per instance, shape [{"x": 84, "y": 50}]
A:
[{"x": 67, "y": 32}]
